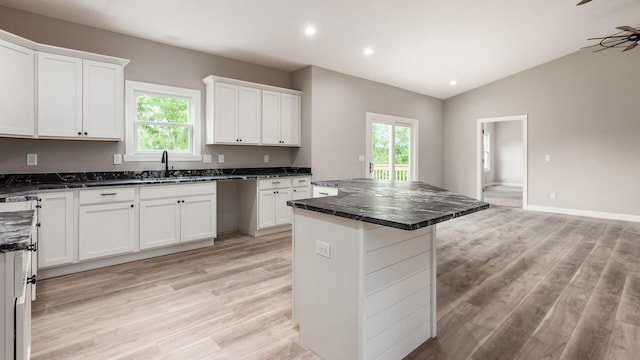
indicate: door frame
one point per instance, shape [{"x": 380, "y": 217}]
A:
[
  {"x": 479, "y": 150},
  {"x": 393, "y": 120}
]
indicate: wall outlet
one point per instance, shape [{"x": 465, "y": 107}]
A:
[
  {"x": 117, "y": 159},
  {"x": 220, "y": 158},
  {"x": 547, "y": 157},
  {"x": 32, "y": 159},
  {"x": 552, "y": 196},
  {"x": 266, "y": 158},
  {"x": 206, "y": 158},
  {"x": 323, "y": 249}
]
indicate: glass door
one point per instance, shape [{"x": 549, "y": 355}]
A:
[{"x": 391, "y": 148}]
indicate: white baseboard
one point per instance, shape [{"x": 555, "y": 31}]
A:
[
  {"x": 502, "y": 184},
  {"x": 596, "y": 214}
]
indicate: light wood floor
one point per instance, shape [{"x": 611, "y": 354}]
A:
[
  {"x": 502, "y": 195},
  {"x": 511, "y": 284}
]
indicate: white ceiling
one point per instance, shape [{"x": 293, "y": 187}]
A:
[{"x": 420, "y": 45}]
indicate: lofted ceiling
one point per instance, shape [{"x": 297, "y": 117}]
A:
[{"x": 418, "y": 45}]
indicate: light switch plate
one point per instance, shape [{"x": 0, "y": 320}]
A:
[
  {"x": 220, "y": 158},
  {"x": 206, "y": 158},
  {"x": 360, "y": 157},
  {"x": 547, "y": 157},
  {"x": 266, "y": 158},
  {"x": 32, "y": 159},
  {"x": 117, "y": 159}
]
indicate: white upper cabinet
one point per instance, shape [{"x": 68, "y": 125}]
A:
[
  {"x": 102, "y": 99},
  {"x": 79, "y": 98},
  {"x": 243, "y": 113},
  {"x": 59, "y": 95},
  {"x": 17, "y": 90},
  {"x": 281, "y": 119},
  {"x": 249, "y": 115},
  {"x": 237, "y": 115}
]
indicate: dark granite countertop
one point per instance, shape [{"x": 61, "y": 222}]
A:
[
  {"x": 15, "y": 230},
  {"x": 16, "y": 185},
  {"x": 404, "y": 205}
]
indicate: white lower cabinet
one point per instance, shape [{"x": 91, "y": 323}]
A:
[
  {"x": 106, "y": 222},
  {"x": 301, "y": 188},
  {"x": 263, "y": 203},
  {"x": 56, "y": 229},
  {"x": 172, "y": 214},
  {"x": 273, "y": 209}
]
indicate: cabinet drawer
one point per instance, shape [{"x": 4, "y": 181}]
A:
[
  {"x": 164, "y": 191},
  {"x": 320, "y": 191},
  {"x": 302, "y": 181},
  {"x": 277, "y": 183},
  {"x": 107, "y": 195}
]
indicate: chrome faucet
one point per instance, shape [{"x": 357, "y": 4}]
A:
[{"x": 165, "y": 161}]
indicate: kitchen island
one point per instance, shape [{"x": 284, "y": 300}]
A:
[{"x": 364, "y": 266}]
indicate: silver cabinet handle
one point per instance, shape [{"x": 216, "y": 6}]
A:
[
  {"x": 108, "y": 194},
  {"x": 323, "y": 193}
]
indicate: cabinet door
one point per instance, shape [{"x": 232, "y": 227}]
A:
[
  {"x": 55, "y": 234},
  {"x": 17, "y": 90},
  {"x": 159, "y": 222},
  {"x": 282, "y": 211},
  {"x": 270, "y": 117},
  {"x": 59, "y": 95},
  {"x": 225, "y": 109},
  {"x": 301, "y": 193},
  {"x": 198, "y": 218},
  {"x": 102, "y": 100},
  {"x": 106, "y": 229},
  {"x": 266, "y": 208},
  {"x": 249, "y": 115},
  {"x": 290, "y": 120}
]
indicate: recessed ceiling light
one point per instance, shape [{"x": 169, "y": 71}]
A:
[
  {"x": 310, "y": 30},
  {"x": 368, "y": 51},
  {"x": 453, "y": 82}
]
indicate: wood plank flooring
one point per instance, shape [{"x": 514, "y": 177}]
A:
[{"x": 512, "y": 284}]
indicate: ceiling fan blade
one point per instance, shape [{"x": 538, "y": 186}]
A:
[
  {"x": 583, "y": 2},
  {"x": 629, "y": 29},
  {"x": 631, "y": 46},
  {"x": 609, "y": 37}
]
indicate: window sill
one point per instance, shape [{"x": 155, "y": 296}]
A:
[{"x": 157, "y": 157}]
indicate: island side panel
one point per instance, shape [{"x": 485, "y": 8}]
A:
[
  {"x": 398, "y": 291},
  {"x": 327, "y": 291}
]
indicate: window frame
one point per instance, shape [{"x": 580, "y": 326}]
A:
[
  {"x": 194, "y": 119},
  {"x": 486, "y": 145}
]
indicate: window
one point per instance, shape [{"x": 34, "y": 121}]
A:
[
  {"x": 159, "y": 118},
  {"x": 391, "y": 147},
  {"x": 486, "y": 154}
]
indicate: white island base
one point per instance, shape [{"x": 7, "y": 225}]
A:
[{"x": 374, "y": 297}]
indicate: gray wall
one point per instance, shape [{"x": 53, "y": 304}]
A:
[
  {"x": 582, "y": 110},
  {"x": 339, "y": 104},
  {"x": 150, "y": 62},
  {"x": 508, "y": 162}
]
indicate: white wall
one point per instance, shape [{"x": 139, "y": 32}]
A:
[
  {"x": 582, "y": 110},
  {"x": 508, "y": 162}
]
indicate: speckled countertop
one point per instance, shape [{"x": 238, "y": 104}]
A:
[
  {"x": 404, "y": 205},
  {"x": 15, "y": 227},
  {"x": 13, "y": 185}
]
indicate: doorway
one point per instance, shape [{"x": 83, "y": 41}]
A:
[
  {"x": 392, "y": 147},
  {"x": 501, "y": 161}
]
